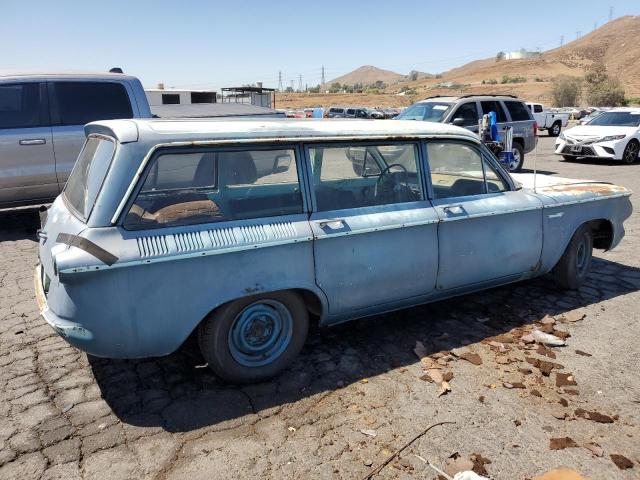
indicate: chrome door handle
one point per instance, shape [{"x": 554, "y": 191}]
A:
[
  {"x": 335, "y": 224},
  {"x": 32, "y": 141},
  {"x": 453, "y": 209}
]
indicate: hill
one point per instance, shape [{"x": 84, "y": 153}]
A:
[{"x": 367, "y": 75}]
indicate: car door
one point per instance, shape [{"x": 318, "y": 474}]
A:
[
  {"x": 375, "y": 233},
  {"x": 27, "y": 166},
  {"x": 489, "y": 232},
  {"x": 76, "y": 103}
]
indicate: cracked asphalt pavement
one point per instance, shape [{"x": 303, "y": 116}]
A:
[{"x": 65, "y": 415}]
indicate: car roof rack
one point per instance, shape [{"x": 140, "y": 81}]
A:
[{"x": 488, "y": 95}]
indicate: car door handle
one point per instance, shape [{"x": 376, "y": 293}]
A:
[
  {"x": 453, "y": 209},
  {"x": 335, "y": 224},
  {"x": 32, "y": 141}
]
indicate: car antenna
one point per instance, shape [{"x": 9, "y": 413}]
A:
[{"x": 535, "y": 158}]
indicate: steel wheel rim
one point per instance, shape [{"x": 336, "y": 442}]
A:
[
  {"x": 260, "y": 333},
  {"x": 556, "y": 129},
  {"x": 515, "y": 163},
  {"x": 582, "y": 256}
]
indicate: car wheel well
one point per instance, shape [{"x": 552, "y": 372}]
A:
[
  {"x": 602, "y": 231},
  {"x": 519, "y": 141}
]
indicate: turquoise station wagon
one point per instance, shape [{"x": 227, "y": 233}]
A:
[{"x": 244, "y": 231}]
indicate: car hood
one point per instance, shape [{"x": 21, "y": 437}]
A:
[
  {"x": 568, "y": 189},
  {"x": 596, "y": 131}
]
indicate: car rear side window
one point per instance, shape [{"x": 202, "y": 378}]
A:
[
  {"x": 187, "y": 188},
  {"x": 518, "y": 111},
  {"x": 364, "y": 175},
  {"x": 88, "y": 173},
  {"x": 78, "y": 103},
  {"x": 494, "y": 106},
  {"x": 20, "y": 105}
]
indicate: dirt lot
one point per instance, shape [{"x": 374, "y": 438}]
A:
[{"x": 64, "y": 415}]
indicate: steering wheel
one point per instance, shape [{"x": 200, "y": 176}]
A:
[{"x": 387, "y": 182}]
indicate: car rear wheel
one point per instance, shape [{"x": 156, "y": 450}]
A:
[
  {"x": 254, "y": 338},
  {"x": 572, "y": 269},
  {"x": 515, "y": 165},
  {"x": 630, "y": 154},
  {"x": 554, "y": 131}
]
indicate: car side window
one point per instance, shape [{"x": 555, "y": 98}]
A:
[
  {"x": 187, "y": 188},
  {"x": 365, "y": 175},
  {"x": 20, "y": 105},
  {"x": 78, "y": 103},
  {"x": 518, "y": 111},
  {"x": 468, "y": 112},
  {"x": 537, "y": 108},
  {"x": 494, "y": 106},
  {"x": 495, "y": 182}
]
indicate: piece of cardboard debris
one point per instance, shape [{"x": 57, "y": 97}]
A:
[
  {"x": 561, "y": 474},
  {"x": 548, "y": 320},
  {"x": 545, "y": 352},
  {"x": 562, "y": 443},
  {"x": 622, "y": 462},
  {"x": 593, "y": 416},
  {"x": 595, "y": 449},
  {"x": 565, "y": 380},
  {"x": 471, "y": 357},
  {"x": 503, "y": 338},
  {"x": 456, "y": 463},
  {"x": 479, "y": 463},
  {"x": 584, "y": 354},
  {"x": 574, "y": 316},
  {"x": 528, "y": 338},
  {"x": 511, "y": 385}
]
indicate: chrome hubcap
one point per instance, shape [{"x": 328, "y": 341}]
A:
[
  {"x": 260, "y": 333},
  {"x": 513, "y": 164}
]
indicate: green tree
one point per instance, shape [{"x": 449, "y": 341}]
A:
[
  {"x": 335, "y": 87},
  {"x": 566, "y": 91},
  {"x": 500, "y": 56},
  {"x": 603, "y": 90}
]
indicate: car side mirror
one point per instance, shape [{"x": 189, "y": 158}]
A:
[
  {"x": 458, "y": 122},
  {"x": 282, "y": 163}
]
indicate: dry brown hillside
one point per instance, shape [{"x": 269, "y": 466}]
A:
[
  {"x": 616, "y": 44},
  {"x": 366, "y": 75}
]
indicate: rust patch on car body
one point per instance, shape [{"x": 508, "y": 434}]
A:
[{"x": 600, "y": 189}]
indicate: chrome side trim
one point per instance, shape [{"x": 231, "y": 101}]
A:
[{"x": 377, "y": 229}]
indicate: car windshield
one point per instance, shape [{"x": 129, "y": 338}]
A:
[
  {"x": 427, "y": 111},
  {"x": 618, "y": 119},
  {"x": 88, "y": 174}
]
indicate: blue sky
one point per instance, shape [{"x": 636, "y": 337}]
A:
[{"x": 199, "y": 44}]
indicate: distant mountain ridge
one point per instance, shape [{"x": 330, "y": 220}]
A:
[{"x": 368, "y": 75}]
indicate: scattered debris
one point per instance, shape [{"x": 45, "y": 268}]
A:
[
  {"x": 456, "y": 464},
  {"x": 504, "y": 338},
  {"x": 517, "y": 423},
  {"x": 528, "y": 338},
  {"x": 561, "y": 474},
  {"x": 481, "y": 398},
  {"x": 565, "y": 380},
  {"x": 390, "y": 458},
  {"x": 548, "y": 320},
  {"x": 367, "y": 462},
  {"x": 513, "y": 385},
  {"x": 369, "y": 433},
  {"x": 594, "y": 448},
  {"x": 444, "y": 388},
  {"x": 622, "y": 462},
  {"x": 471, "y": 357},
  {"x": 544, "y": 366},
  {"x": 562, "y": 443},
  {"x": 584, "y": 354},
  {"x": 563, "y": 402},
  {"x": 525, "y": 371},
  {"x": 574, "y": 316},
  {"x": 545, "y": 352},
  {"x": 593, "y": 416},
  {"x": 535, "y": 393},
  {"x": 547, "y": 339},
  {"x": 291, "y": 429}
]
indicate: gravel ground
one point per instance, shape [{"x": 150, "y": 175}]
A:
[{"x": 66, "y": 415}]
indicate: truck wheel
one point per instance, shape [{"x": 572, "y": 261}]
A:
[
  {"x": 554, "y": 131},
  {"x": 254, "y": 338},
  {"x": 518, "y": 158},
  {"x": 630, "y": 154},
  {"x": 573, "y": 267}
]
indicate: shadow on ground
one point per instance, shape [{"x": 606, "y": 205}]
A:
[
  {"x": 178, "y": 393},
  {"x": 19, "y": 224}
]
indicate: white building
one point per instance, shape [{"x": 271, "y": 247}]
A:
[
  {"x": 174, "y": 96},
  {"x": 521, "y": 54}
]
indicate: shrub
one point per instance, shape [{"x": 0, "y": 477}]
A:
[
  {"x": 491, "y": 81},
  {"x": 601, "y": 89},
  {"x": 508, "y": 79},
  {"x": 566, "y": 91}
]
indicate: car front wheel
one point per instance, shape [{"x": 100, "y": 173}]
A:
[
  {"x": 630, "y": 154},
  {"x": 254, "y": 338},
  {"x": 554, "y": 131},
  {"x": 572, "y": 269},
  {"x": 515, "y": 165}
]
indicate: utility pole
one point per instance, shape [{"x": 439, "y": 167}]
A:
[
  {"x": 280, "y": 80},
  {"x": 561, "y": 40},
  {"x": 322, "y": 82},
  {"x": 578, "y": 33},
  {"x": 300, "y": 83},
  {"x": 595, "y": 25},
  {"x": 610, "y": 13}
]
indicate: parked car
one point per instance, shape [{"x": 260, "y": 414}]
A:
[
  {"x": 467, "y": 110},
  {"x": 588, "y": 118},
  {"x": 356, "y": 112},
  {"x": 391, "y": 112},
  {"x": 41, "y": 126},
  {"x": 614, "y": 134},
  {"x": 553, "y": 122},
  {"x": 165, "y": 229},
  {"x": 336, "y": 112}
]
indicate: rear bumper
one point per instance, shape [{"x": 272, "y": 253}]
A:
[{"x": 75, "y": 334}]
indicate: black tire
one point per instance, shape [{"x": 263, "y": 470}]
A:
[
  {"x": 215, "y": 337},
  {"x": 555, "y": 129},
  {"x": 569, "y": 158},
  {"x": 630, "y": 154},
  {"x": 518, "y": 152},
  {"x": 573, "y": 267}
]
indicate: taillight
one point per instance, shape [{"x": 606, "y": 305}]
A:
[{"x": 535, "y": 128}]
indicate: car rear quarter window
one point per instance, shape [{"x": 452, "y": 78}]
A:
[
  {"x": 20, "y": 105},
  {"x": 188, "y": 188},
  {"x": 78, "y": 103},
  {"x": 494, "y": 106},
  {"x": 518, "y": 111}
]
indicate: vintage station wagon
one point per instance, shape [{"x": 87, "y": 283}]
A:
[{"x": 243, "y": 231}]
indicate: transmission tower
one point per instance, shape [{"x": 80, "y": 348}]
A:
[
  {"x": 610, "y": 13},
  {"x": 279, "y": 80},
  {"x": 322, "y": 82},
  {"x": 595, "y": 25},
  {"x": 300, "y": 82},
  {"x": 561, "y": 40}
]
